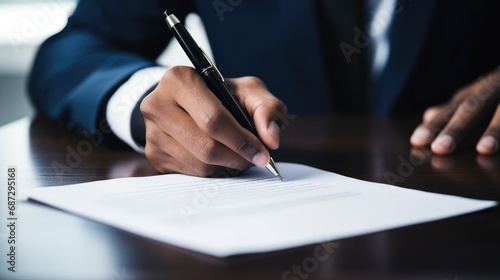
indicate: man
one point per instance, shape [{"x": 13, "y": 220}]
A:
[{"x": 374, "y": 56}]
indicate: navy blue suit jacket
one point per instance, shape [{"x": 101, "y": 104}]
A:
[{"x": 437, "y": 47}]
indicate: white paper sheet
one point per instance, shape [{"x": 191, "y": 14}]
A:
[{"x": 254, "y": 213}]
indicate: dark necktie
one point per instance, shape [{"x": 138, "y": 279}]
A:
[{"x": 339, "y": 20}]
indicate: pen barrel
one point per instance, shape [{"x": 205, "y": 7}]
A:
[
  {"x": 220, "y": 89},
  {"x": 211, "y": 76},
  {"x": 190, "y": 47}
]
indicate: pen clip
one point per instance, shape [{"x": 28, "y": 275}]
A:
[{"x": 212, "y": 65}]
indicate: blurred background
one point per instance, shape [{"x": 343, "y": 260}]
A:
[{"x": 25, "y": 24}]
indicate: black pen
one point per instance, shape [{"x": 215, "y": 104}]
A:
[{"x": 213, "y": 78}]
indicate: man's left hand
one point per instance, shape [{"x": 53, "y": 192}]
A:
[{"x": 445, "y": 127}]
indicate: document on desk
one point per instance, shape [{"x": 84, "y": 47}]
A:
[{"x": 252, "y": 213}]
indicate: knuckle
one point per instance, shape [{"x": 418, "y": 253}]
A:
[
  {"x": 276, "y": 103},
  {"x": 152, "y": 136},
  {"x": 149, "y": 153},
  {"x": 471, "y": 104},
  {"x": 465, "y": 112},
  {"x": 275, "y": 107},
  {"x": 209, "y": 151},
  {"x": 211, "y": 121},
  {"x": 248, "y": 84},
  {"x": 179, "y": 75},
  {"x": 160, "y": 161},
  {"x": 432, "y": 113},
  {"x": 462, "y": 93},
  {"x": 155, "y": 104},
  {"x": 273, "y": 103},
  {"x": 448, "y": 112},
  {"x": 253, "y": 81},
  {"x": 147, "y": 106},
  {"x": 173, "y": 73},
  {"x": 245, "y": 147}
]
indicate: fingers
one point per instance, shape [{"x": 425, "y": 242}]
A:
[
  {"x": 446, "y": 127},
  {"x": 431, "y": 113},
  {"x": 435, "y": 118},
  {"x": 211, "y": 117},
  {"x": 488, "y": 144},
  {"x": 167, "y": 155},
  {"x": 193, "y": 145},
  {"x": 268, "y": 112},
  {"x": 459, "y": 124},
  {"x": 471, "y": 113},
  {"x": 269, "y": 115},
  {"x": 462, "y": 121},
  {"x": 190, "y": 131}
]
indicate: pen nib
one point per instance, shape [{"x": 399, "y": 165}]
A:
[{"x": 273, "y": 168}]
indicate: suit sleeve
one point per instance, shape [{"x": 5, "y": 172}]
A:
[{"x": 103, "y": 44}]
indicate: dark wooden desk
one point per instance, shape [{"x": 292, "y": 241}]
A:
[{"x": 56, "y": 245}]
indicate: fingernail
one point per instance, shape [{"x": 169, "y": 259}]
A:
[
  {"x": 443, "y": 143},
  {"x": 487, "y": 144},
  {"x": 421, "y": 136},
  {"x": 274, "y": 129},
  {"x": 260, "y": 159}
]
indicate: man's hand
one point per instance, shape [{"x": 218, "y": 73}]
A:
[
  {"x": 189, "y": 131},
  {"x": 445, "y": 127}
]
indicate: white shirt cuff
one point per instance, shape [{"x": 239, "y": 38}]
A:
[{"x": 121, "y": 104}]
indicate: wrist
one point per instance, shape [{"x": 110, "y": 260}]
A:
[{"x": 120, "y": 108}]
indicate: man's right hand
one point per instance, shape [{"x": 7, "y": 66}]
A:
[{"x": 189, "y": 131}]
